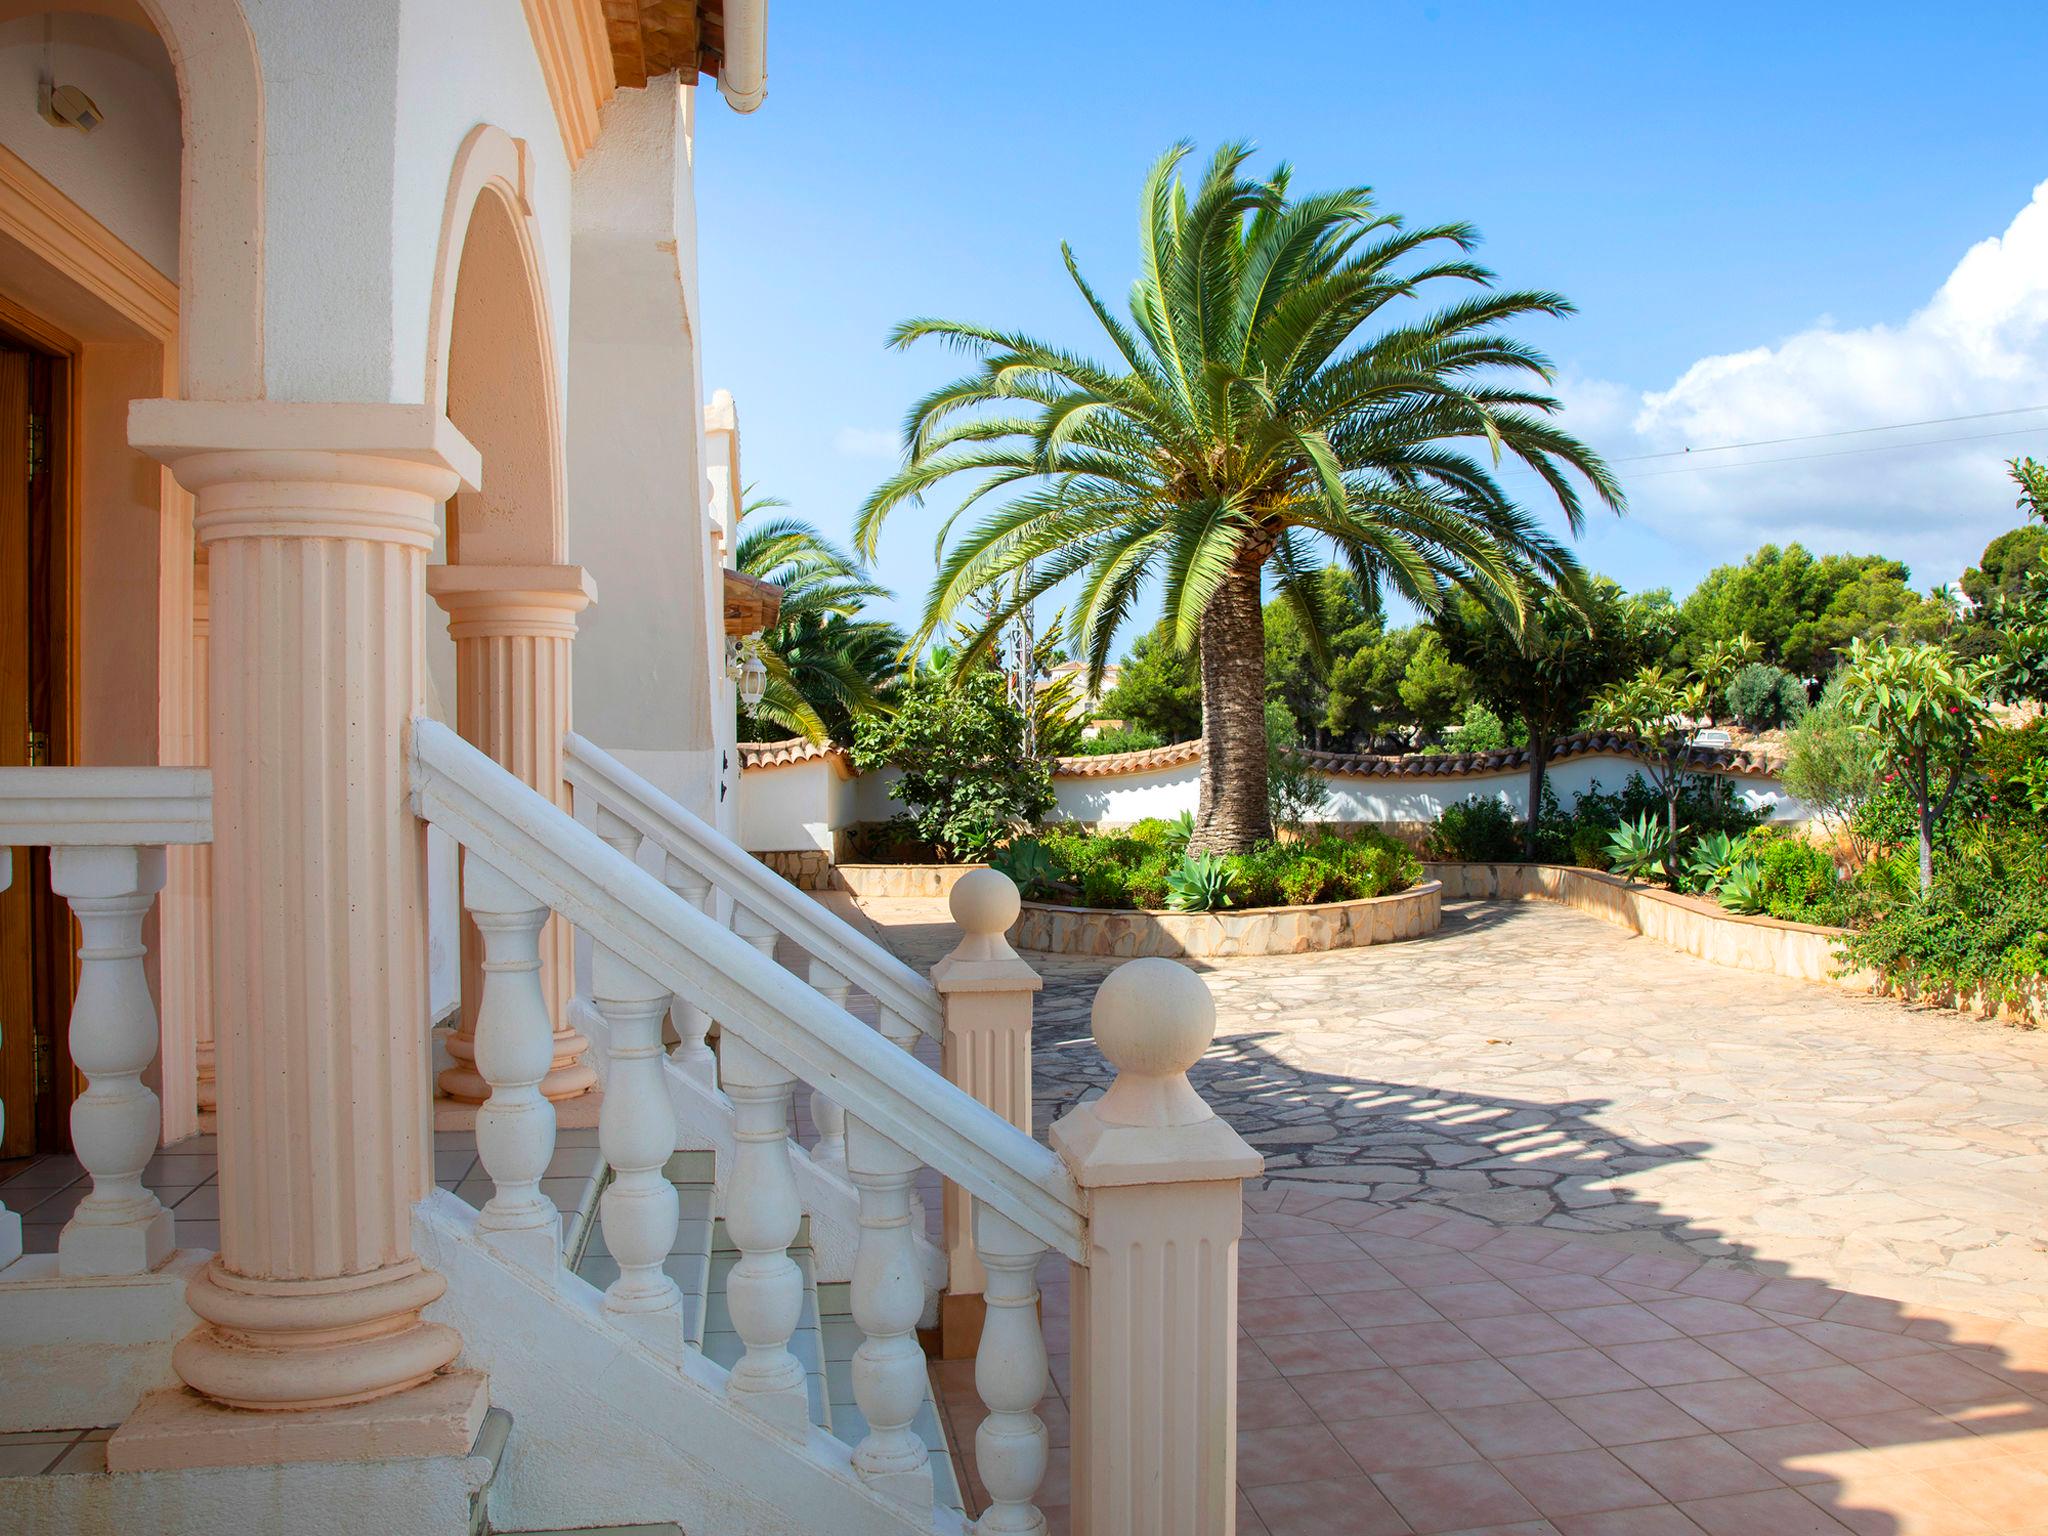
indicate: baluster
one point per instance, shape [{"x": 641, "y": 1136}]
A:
[
  {"x": 10, "y": 1223},
  {"x": 755, "y": 929},
  {"x": 515, "y": 1126},
  {"x": 827, "y": 1117},
  {"x": 637, "y": 1130},
  {"x": 692, "y": 1054},
  {"x": 1010, "y": 1447},
  {"x": 888, "y": 1299},
  {"x": 120, "y": 1228},
  {"x": 903, "y": 1034},
  {"x": 765, "y": 1290}
]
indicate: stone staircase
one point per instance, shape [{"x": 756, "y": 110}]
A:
[{"x": 826, "y": 1334}]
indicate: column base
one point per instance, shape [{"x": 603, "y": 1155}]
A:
[
  {"x": 123, "y": 1248},
  {"x": 569, "y": 1077},
  {"x": 312, "y": 1344},
  {"x": 177, "y": 1428}
]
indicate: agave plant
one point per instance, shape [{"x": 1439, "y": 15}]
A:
[
  {"x": 1179, "y": 833},
  {"x": 1711, "y": 860},
  {"x": 1742, "y": 890},
  {"x": 1641, "y": 848},
  {"x": 1030, "y": 864},
  {"x": 1201, "y": 883}
]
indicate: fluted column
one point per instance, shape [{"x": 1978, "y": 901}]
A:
[
  {"x": 317, "y": 520},
  {"x": 512, "y": 626},
  {"x": 10, "y": 1221},
  {"x": 200, "y": 855}
]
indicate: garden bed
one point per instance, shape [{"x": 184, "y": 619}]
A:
[{"x": 1124, "y": 934}]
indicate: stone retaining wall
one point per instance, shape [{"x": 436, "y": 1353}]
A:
[
  {"x": 913, "y": 880},
  {"x": 1214, "y": 935}
]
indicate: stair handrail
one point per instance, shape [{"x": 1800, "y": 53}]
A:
[
  {"x": 620, "y": 905},
  {"x": 810, "y": 925}
]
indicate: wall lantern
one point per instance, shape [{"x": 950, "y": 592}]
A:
[{"x": 753, "y": 680}]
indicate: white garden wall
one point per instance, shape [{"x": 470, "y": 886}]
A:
[{"x": 795, "y": 797}]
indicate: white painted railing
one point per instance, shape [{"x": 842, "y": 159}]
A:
[
  {"x": 888, "y": 1113},
  {"x": 107, "y": 829},
  {"x": 620, "y": 905},
  {"x": 704, "y": 857}
]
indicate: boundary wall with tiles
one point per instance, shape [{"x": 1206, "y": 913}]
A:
[{"x": 800, "y": 798}]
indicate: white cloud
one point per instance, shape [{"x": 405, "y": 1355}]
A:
[
  {"x": 1980, "y": 344},
  {"x": 867, "y": 443}
]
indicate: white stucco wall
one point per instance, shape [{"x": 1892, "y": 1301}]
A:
[
  {"x": 125, "y": 172},
  {"x": 782, "y": 807},
  {"x": 365, "y": 105}
]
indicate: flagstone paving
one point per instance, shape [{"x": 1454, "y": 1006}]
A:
[{"x": 1533, "y": 1067}]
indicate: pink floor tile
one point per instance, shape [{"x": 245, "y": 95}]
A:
[
  {"x": 1381, "y": 1309},
  {"x": 1555, "y": 1292},
  {"x": 1483, "y": 1298},
  {"x": 1526, "y": 1334},
  {"x": 1271, "y": 1404},
  {"x": 1669, "y": 1362},
  {"x": 1274, "y": 1280},
  {"x": 1286, "y": 1314},
  {"x": 1421, "y": 1343},
  {"x": 1518, "y": 1429},
  {"x": 1466, "y": 1384},
  {"x": 1790, "y": 1451},
  {"x": 1312, "y": 1248},
  {"x": 1298, "y": 1453},
  {"x": 1697, "y": 1315},
  {"x": 1626, "y": 1323},
  {"x": 1577, "y": 1483},
  {"x": 1410, "y": 1440},
  {"x": 1859, "y": 1346},
  {"x": 1441, "y": 1269},
  {"x": 1837, "y": 1389},
  {"x": 1345, "y": 1395},
  {"x": 1626, "y": 1418},
  {"x": 1768, "y": 1350},
  {"x": 1334, "y": 1506},
  {"x": 1437, "y": 1500},
  {"x": 1571, "y": 1372},
  {"x": 1743, "y": 1404},
  {"x": 1782, "y": 1513},
  {"x": 1938, "y": 1380},
  {"x": 1306, "y": 1354},
  {"x": 1654, "y": 1520},
  {"x": 1702, "y": 1467},
  {"x": 1334, "y": 1277}
]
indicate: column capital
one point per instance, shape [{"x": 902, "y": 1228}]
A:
[
  {"x": 485, "y": 600},
  {"x": 285, "y": 469}
]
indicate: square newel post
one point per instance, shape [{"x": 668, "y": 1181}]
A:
[
  {"x": 1154, "y": 1319},
  {"x": 986, "y": 993},
  {"x": 512, "y": 626}
]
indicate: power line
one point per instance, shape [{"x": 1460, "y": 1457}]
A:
[
  {"x": 1838, "y": 453},
  {"x": 1812, "y": 437}
]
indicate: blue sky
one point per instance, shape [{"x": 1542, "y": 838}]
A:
[{"x": 1776, "y": 221}]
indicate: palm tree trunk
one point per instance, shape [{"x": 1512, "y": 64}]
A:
[
  {"x": 1539, "y": 763},
  {"x": 1234, "y": 813}
]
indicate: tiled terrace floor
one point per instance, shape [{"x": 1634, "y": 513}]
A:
[{"x": 1565, "y": 1234}]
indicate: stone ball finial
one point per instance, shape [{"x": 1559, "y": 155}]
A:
[
  {"x": 1153, "y": 1019},
  {"x": 984, "y": 902}
]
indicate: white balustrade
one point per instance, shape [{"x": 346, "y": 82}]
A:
[
  {"x": 692, "y": 1024},
  {"x": 515, "y": 1126},
  {"x": 10, "y": 1223},
  {"x": 888, "y": 1300},
  {"x": 637, "y": 1130},
  {"x": 120, "y": 1228},
  {"x": 827, "y": 1118},
  {"x": 1010, "y": 1447},
  {"x": 755, "y": 929},
  {"x": 903, "y": 1034},
  {"x": 765, "y": 1290}
]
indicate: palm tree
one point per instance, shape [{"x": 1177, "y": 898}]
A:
[
  {"x": 1262, "y": 402},
  {"x": 826, "y": 665}
]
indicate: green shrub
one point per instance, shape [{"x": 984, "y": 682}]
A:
[
  {"x": 1122, "y": 738},
  {"x": 1106, "y": 885},
  {"x": 1763, "y": 696},
  {"x": 1305, "y": 880},
  {"x": 1475, "y": 831},
  {"x": 1641, "y": 848},
  {"x": 967, "y": 780}
]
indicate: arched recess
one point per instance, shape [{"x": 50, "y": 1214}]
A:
[
  {"x": 511, "y": 601},
  {"x": 491, "y": 359}
]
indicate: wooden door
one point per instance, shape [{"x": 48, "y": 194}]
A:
[{"x": 35, "y": 969}]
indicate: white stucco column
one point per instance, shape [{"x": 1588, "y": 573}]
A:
[
  {"x": 512, "y": 626},
  {"x": 986, "y": 993},
  {"x": 1154, "y": 1320},
  {"x": 317, "y": 520}
]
